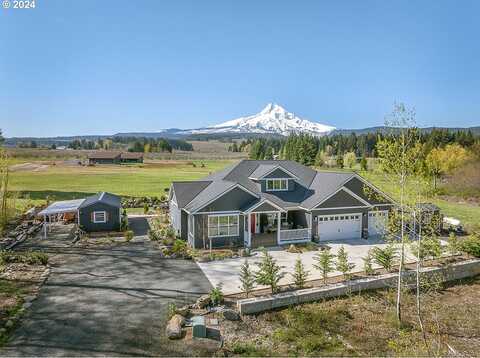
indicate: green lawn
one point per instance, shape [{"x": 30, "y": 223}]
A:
[
  {"x": 468, "y": 214},
  {"x": 63, "y": 182}
]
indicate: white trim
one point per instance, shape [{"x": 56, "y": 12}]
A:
[
  {"x": 279, "y": 180},
  {"x": 343, "y": 207},
  {"x": 95, "y": 221},
  {"x": 348, "y": 191},
  {"x": 273, "y": 169},
  {"x": 218, "y": 225},
  {"x": 225, "y": 192},
  {"x": 232, "y": 212},
  {"x": 249, "y": 210},
  {"x": 173, "y": 198}
]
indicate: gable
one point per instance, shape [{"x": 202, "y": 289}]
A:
[
  {"x": 342, "y": 199},
  {"x": 265, "y": 206},
  {"x": 278, "y": 173},
  {"x": 367, "y": 192},
  {"x": 232, "y": 200}
]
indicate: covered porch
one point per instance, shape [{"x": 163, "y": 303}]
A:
[{"x": 276, "y": 227}]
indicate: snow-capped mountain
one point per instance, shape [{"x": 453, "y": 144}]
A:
[{"x": 273, "y": 119}]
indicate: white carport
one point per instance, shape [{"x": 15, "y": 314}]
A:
[{"x": 56, "y": 211}]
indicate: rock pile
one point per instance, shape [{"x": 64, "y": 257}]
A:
[{"x": 20, "y": 233}]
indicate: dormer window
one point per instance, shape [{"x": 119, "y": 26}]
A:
[{"x": 277, "y": 184}]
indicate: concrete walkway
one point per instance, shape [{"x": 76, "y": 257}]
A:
[
  {"x": 225, "y": 272},
  {"x": 105, "y": 302}
]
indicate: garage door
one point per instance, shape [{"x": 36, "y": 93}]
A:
[
  {"x": 340, "y": 227},
  {"x": 377, "y": 221}
]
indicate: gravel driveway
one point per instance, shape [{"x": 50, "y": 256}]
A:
[{"x": 106, "y": 301}]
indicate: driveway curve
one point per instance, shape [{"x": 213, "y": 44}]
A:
[{"x": 106, "y": 302}]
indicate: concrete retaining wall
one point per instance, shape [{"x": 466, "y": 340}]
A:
[{"x": 455, "y": 271}]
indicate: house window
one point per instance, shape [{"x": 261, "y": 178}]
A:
[
  {"x": 99, "y": 217},
  {"x": 277, "y": 184},
  {"x": 222, "y": 225}
]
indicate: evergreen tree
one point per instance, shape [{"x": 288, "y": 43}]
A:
[
  {"x": 340, "y": 162},
  {"x": 269, "y": 272},
  {"x": 300, "y": 275},
  {"x": 247, "y": 279},
  {"x": 325, "y": 263},
  {"x": 343, "y": 265},
  {"x": 268, "y": 154},
  {"x": 364, "y": 163},
  {"x": 368, "y": 264}
]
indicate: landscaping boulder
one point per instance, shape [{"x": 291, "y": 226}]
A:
[
  {"x": 174, "y": 327},
  {"x": 183, "y": 311},
  {"x": 231, "y": 315},
  {"x": 203, "y": 301}
]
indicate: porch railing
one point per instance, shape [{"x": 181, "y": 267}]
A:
[{"x": 292, "y": 236}]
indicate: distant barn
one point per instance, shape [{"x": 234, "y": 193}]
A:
[
  {"x": 104, "y": 157},
  {"x": 114, "y": 157},
  {"x": 131, "y": 157}
]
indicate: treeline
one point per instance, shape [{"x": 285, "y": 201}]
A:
[
  {"x": 153, "y": 145},
  {"x": 133, "y": 144},
  {"x": 310, "y": 150}
]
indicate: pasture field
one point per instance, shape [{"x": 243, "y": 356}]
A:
[{"x": 63, "y": 182}]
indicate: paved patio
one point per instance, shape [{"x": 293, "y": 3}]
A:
[{"x": 226, "y": 272}]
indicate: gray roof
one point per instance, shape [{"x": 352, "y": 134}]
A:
[
  {"x": 103, "y": 197},
  {"x": 60, "y": 207},
  {"x": 261, "y": 170},
  {"x": 311, "y": 186},
  {"x": 186, "y": 191}
]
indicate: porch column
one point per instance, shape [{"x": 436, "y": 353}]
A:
[
  {"x": 45, "y": 226},
  {"x": 249, "y": 231},
  {"x": 278, "y": 227}
]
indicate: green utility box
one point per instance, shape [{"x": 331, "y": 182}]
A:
[{"x": 199, "y": 330}]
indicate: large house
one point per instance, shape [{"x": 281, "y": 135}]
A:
[{"x": 273, "y": 202}]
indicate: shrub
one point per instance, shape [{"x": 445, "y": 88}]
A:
[
  {"x": 216, "y": 295},
  {"x": 179, "y": 247},
  {"x": 128, "y": 235},
  {"x": 385, "y": 257},
  {"x": 269, "y": 272},
  {"x": 36, "y": 257},
  {"x": 154, "y": 235},
  {"x": 28, "y": 257},
  {"x": 471, "y": 245},
  {"x": 429, "y": 247},
  {"x": 171, "y": 309},
  {"x": 247, "y": 349},
  {"x": 169, "y": 232},
  {"x": 453, "y": 245},
  {"x": 124, "y": 223},
  {"x": 145, "y": 208}
]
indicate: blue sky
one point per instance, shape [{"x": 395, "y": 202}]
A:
[{"x": 101, "y": 67}]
